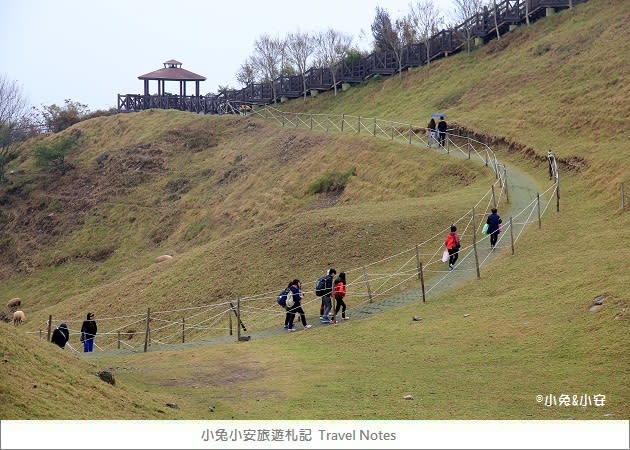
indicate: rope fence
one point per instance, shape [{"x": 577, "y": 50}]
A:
[{"x": 406, "y": 276}]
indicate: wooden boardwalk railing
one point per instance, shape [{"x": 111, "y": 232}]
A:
[{"x": 483, "y": 26}]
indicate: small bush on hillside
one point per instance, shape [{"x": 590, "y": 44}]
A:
[
  {"x": 333, "y": 181},
  {"x": 53, "y": 154},
  {"x": 58, "y": 118}
]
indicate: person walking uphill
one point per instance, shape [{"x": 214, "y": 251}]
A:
[
  {"x": 339, "y": 292},
  {"x": 88, "y": 332},
  {"x": 452, "y": 244},
  {"x": 324, "y": 289},
  {"x": 441, "y": 126},
  {"x": 431, "y": 130},
  {"x": 296, "y": 291},
  {"x": 494, "y": 221}
]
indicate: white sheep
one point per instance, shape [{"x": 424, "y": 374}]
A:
[
  {"x": 14, "y": 303},
  {"x": 163, "y": 258},
  {"x": 18, "y": 317}
]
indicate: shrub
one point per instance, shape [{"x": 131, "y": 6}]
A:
[
  {"x": 333, "y": 181},
  {"x": 53, "y": 154}
]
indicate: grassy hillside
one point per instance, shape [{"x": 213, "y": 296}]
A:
[{"x": 227, "y": 197}]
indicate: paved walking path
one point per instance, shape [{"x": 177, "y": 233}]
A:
[{"x": 522, "y": 191}]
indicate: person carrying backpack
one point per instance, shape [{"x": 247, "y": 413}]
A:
[
  {"x": 282, "y": 301},
  {"x": 323, "y": 289},
  {"x": 452, "y": 244},
  {"x": 339, "y": 292},
  {"x": 494, "y": 224},
  {"x": 295, "y": 289}
]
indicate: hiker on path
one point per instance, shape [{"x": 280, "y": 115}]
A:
[
  {"x": 453, "y": 245},
  {"x": 441, "y": 126},
  {"x": 431, "y": 130},
  {"x": 339, "y": 292},
  {"x": 494, "y": 221},
  {"x": 61, "y": 335},
  {"x": 287, "y": 317},
  {"x": 327, "y": 296},
  {"x": 88, "y": 332},
  {"x": 296, "y": 291}
]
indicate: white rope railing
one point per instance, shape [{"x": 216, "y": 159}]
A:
[{"x": 260, "y": 309}]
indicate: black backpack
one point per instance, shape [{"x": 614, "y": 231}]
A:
[
  {"x": 281, "y": 299},
  {"x": 320, "y": 286}
]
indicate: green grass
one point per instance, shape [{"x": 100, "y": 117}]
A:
[{"x": 528, "y": 329}]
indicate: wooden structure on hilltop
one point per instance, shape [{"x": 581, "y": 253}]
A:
[
  {"x": 478, "y": 29},
  {"x": 172, "y": 71}
]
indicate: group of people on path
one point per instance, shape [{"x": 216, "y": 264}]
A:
[
  {"x": 332, "y": 288},
  {"x": 437, "y": 133},
  {"x": 453, "y": 243},
  {"x": 61, "y": 334}
]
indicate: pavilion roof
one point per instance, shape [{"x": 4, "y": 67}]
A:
[{"x": 172, "y": 74}]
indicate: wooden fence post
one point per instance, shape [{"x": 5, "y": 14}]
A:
[
  {"x": 392, "y": 131},
  {"x": 420, "y": 273},
  {"x": 238, "y": 317},
  {"x": 230, "y": 320},
  {"x": 374, "y": 132},
  {"x": 557, "y": 193},
  {"x": 311, "y": 121},
  {"x": 49, "y": 327},
  {"x": 507, "y": 191},
  {"x": 359, "y": 124},
  {"x": 146, "y": 332},
  {"x": 183, "y": 330},
  {"x": 538, "y": 209},
  {"x": 367, "y": 283},
  {"x": 409, "y": 133},
  {"x": 474, "y": 228},
  {"x": 118, "y": 336},
  {"x": 343, "y": 118},
  {"x": 512, "y": 234},
  {"x": 40, "y": 334}
]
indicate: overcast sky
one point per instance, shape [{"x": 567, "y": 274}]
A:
[{"x": 90, "y": 51}]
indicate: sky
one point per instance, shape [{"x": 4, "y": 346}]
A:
[{"x": 90, "y": 51}]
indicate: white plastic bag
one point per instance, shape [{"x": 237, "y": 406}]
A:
[{"x": 445, "y": 256}]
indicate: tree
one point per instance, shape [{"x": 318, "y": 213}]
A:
[
  {"x": 381, "y": 29},
  {"x": 58, "y": 118},
  {"x": 332, "y": 47},
  {"x": 16, "y": 123},
  {"x": 300, "y": 48},
  {"x": 464, "y": 12},
  {"x": 247, "y": 74},
  {"x": 268, "y": 59},
  {"x": 426, "y": 19}
]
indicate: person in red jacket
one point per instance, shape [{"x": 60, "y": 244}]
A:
[
  {"x": 339, "y": 292},
  {"x": 452, "y": 245}
]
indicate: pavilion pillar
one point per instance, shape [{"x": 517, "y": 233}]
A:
[
  {"x": 197, "y": 88},
  {"x": 146, "y": 87}
]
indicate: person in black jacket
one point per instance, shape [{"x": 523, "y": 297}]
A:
[
  {"x": 327, "y": 297},
  {"x": 494, "y": 221},
  {"x": 441, "y": 126},
  {"x": 295, "y": 289},
  {"x": 61, "y": 335},
  {"x": 88, "y": 332}
]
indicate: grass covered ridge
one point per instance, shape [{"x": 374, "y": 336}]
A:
[{"x": 484, "y": 350}]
